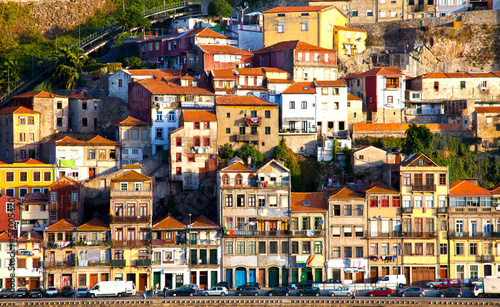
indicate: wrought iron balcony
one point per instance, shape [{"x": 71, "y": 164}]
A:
[
  {"x": 143, "y": 262},
  {"x": 424, "y": 188},
  {"x": 276, "y": 233},
  {"x": 472, "y": 234},
  {"x": 378, "y": 234},
  {"x": 407, "y": 210},
  {"x": 419, "y": 234},
  {"x": 442, "y": 210},
  {"x": 131, "y": 243},
  {"x": 119, "y": 263},
  {"x": 130, "y": 219},
  {"x": 485, "y": 258}
]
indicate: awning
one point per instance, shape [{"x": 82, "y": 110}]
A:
[
  {"x": 297, "y": 119},
  {"x": 67, "y": 163}
]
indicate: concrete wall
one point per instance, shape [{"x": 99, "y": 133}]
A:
[
  {"x": 250, "y": 40},
  {"x": 300, "y": 143}
]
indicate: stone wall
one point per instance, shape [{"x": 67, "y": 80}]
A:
[{"x": 304, "y": 144}]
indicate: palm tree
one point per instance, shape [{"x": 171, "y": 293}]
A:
[{"x": 69, "y": 61}]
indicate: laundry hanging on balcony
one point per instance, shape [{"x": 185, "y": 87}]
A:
[{"x": 67, "y": 163}]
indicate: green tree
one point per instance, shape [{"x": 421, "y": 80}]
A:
[
  {"x": 280, "y": 150},
  {"x": 132, "y": 18},
  {"x": 418, "y": 140},
  {"x": 226, "y": 152},
  {"x": 70, "y": 59},
  {"x": 219, "y": 8},
  {"x": 133, "y": 62},
  {"x": 250, "y": 151}
]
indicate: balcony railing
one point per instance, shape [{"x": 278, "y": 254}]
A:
[
  {"x": 442, "y": 210},
  {"x": 59, "y": 264},
  {"x": 419, "y": 234},
  {"x": 276, "y": 233},
  {"x": 130, "y": 219},
  {"x": 247, "y": 137},
  {"x": 407, "y": 210},
  {"x": 472, "y": 234},
  {"x": 390, "y": 234},
  {"x": 485, "y": 258},
  {"x": 263, "y": 184},
  {"x": 119, "y": 263},
  {"x": 487, "y": 210},
  {"x": 131, "y": 243},
  {"x": 143, "y": 262},
  {"x": 424, "y": 188},
  {"x": 169, "y": 242},
  {"x": 58, "y": 244},
  {"x": 92, "y": 243},
  {"x": 83, "y": 263}
]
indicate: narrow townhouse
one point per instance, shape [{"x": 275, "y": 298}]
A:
[
  {"x": 60, "y": 254},
  {"x": 26, "y": 177},
  {"x": 65, "y": 201},
  {"x": 34, "y": 213},
  {"x": 134, "y": 136},
  {"x": 5, "y": 258},
  {"x": 29, "y": 271}
]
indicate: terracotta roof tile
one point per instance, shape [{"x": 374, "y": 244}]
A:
[
  {"x": 341, "y": 28},
  {"x": 228, "y": 91},
  {"x": 4, "y": 236},
  {"x": 344, "y": 193},
  {"x": 67, "y": 140},
  {"x": 203, "y": 222},
  {"x": 61, "y": 225},
  {"x": 285, "y": 9},
  {"x": 168, "y": 223},
  {"x": 300, "y": 88},
  {"x": 252, "y": 88},
  {"x": 82, "y": 95},
  {"x": 334, "y": 83},
  {"x": 155, "y": 73},
  {"x": 460, "y": 74},
  {"x": 353, "y": 97},
  {"x": 250, "y": 71},
  {"x": 487, "y": 109},
  {"x": 223, "y": 73},
  {"x": 247, "y": 100},
  {"x": 299, "y": 201},
  {"x": 464, "y": 187},
  {"x": 30, "y": 161},
  {"x": 279, "y": 81},
  {"x": 379, "y": 71},
  {"x": 483, "y": 75},
  {"x": 198, "y": 116},
  {"x": 99, "y": 140},
  {"x": 1, "y": 162},
  {"x": 39, "y": 94},
  {"x": 288, "y": 45},
  {"x": 162, "y": 87},
  {"x": 17, "y": 110},
  {"x": 130, "y": 121},
  {"x": 237, "y": 167},
  {"x": 274, "y": 69},
  {"x": 495, "y": 190},
  {"x": 31, "y": 236},
  {"x": 223, "y": 49},
  {"x": 94, "y": 224},
  {"x": 205, "y": 32},
  {"x": 68, "y": 180},
  {"x": 35, "y": 197},
  {"x": 131, "y": 176},
  {"x": 378, "y": 187}
]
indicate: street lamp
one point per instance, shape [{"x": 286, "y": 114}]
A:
[{"x": 242, "y": 9}]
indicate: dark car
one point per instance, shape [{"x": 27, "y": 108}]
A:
[
  {"x": 82, "y": 292},
  {"x": 414, "y": 291},
  {"x": 451, "y": 292},
  {"x": 279, "y": 291},
  {"x": 21, "y": 292},
  {"x": 6, "y": 293},
  {"x": 450, "y": 283},
  {"x": 222, "y": 284},
  {"x": 183, "y": 292},
  {"x": 36, "y": 293},
  {"x": 381, "y": 292},
  {"x": 249, "y": 284},
  {"x": 304, "y": 284},
  {"x": 51, "y": 292},
  {"x": 311, "y": 291},
  {"x": 66, "y": 291},
  {"x": 248, "y": 291}
]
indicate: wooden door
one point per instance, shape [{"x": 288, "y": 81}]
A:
[
  {"x": 406, "y": 271},
  {"x": 262, "y": 277},
  {"x": 373, "y": 274},
  {"x": 360, "y": 278},
  {"x": 93, "y": 280},
  {"x": 443, "y": 272},
  {"x": 91, "y": 172},
  {"x": 143, "y": 281},
  {"x": 104, "y": 277},
  {"x": 33, "y": 283}
]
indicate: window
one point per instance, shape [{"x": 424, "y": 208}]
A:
[
  {"x": 292, "y": 104},
  {"x": 419, "y": 248},
  {"x": 347, "y": 210},
  {"x": 462, "y": 85},
  {"x": 206, "y": 142},
  {"x": 406, "y": 179},
  {"x": 22, "y": 120},
  {"x": 407, "y": 249},
  {"x": 443, "y": 249},
  {"x": 359, "y": 231},
  {"x": 306, "y": 247},
  {"x": 359, "y": 210},
  {"x": 228, "y": 130},
  {"x": 347, "y": 231},
  {"x": 374, "y": 249},
  {"x": 159, "y": 133},
  {"x": 242, "y": 130},
  {"x": 418, "y": 201},
  {"x": 385, "y": 201},
  {"x": 429, "y": 201},
  {"x": 488, "y": 249},
  {"x": 9, "y": 176},
  {"x": 178, "y": 171},
  {"x": 383, "y": 14},
  {"x": 229, "y": 247},
  {"x": 354, "y": 13},
  {"x": 273, "y": 247},
  {"x": 336, "y": 210},
  {"x": 229, "y": 200},
  {"x": 459, "y": 248},
  {"x": 336, "y": 231},
  {"x": 262, "y": 247},
  {"x": 196, "y": 141},
  {"x": 252, "y": 248},
  {"x": 267, "y": 114},
  {"x": 436, "y": 85},
  {"x": 59, "y": 121},
  {"x": 178, "y": 157},
  {"x": 385, "y": 249},
  {"x": 284, "y": 247},
  {"x": 281, "y": 28},
  {"x": 303, "y": 104},
  {"x": 474, "y": 270},
  {"x": 347, "y": 252},
  {"x": 31, "y": 120},
  {"x": 395, "y": 201},
  {"x": 295, "y": 247},
  {"x": 23, "y": 176},
  {"x": 369, "y": 13},
  {"x": 240, "y": 247},
  {"x": 267, "y": 130},
  {"x": 178, "y": 142},
  {"x": 373, "y": 202},
  {"x": 303, "y": 26},
  {"x": 196, "y": 125},
  {"x": 472, "y": 249},
  {"x": 336, "y": 252},
  {"x": 442, "y": 179},
  {"x": 240, "y": 200}
]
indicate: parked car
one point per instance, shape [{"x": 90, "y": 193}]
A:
[
  {"x": 248, "y": 291},
  {"x": 217, "y": 290},
  {"x": 183, "y": 291},
  {"x": 473, "y": 282},
  {"x": 222, "y": 284},
  {"x": 341, "y": 291},
  {"x": 66, "y": 291},
  {"x": 414, "y": 291},
  {"x": 381, "y": 292},
  {"x": 280, "y": 291},
  {"x": 21, "y": 292},
  {"x": 451, "y": 292},
  {"x": 6, "y": 293},
  {"x": 433, "y": 284},
  {"x": 249, "y": 284},
  {"x": 450, "y": 283},
  {"x": 192, "y": 286},
  {"x": 304, "y": 284},
  {"x": 82, "y": 292},
  {"x": 51, "y": 292},
  {"x": 311, "y": 291},
  {"x": 36, "y": 293}
]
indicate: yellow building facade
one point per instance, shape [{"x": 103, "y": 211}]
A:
[
  {"x": 310, "y": 24},
  {"x": 29, "y": 176},
  {"x": 348, "y": 41}
]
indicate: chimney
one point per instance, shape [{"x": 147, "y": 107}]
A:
[{"x": 249, "y": 161}]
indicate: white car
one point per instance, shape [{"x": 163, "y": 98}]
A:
[
  {"x": 341, "y": 291},
  {"x": 221, "y": 291}
]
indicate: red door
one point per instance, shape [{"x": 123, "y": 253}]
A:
[
  {"x": 93, "y": 280},
  {"x": 91, "y": 172}
]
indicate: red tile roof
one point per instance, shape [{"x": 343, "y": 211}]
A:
[
  {"x": 279, "y": 81},
  {"x": 274, "y": 69},
  {"x": 68, "y": 180},
  {"x": 94, "y": 224},
  {"x": 99, "y": 140},
  {"x": 487, "y": 109},
  {"x": 39, "y": 94},
  {"x": 250, "y": 71},
  {"x": 198, "y": 116},
  {"x": 168, "y": 223},
  {"x": 289, "y": 9},
  {"x": 162, "y": 87},
  {"x": 61, "y": 225},
  {"x": 466, "y": 188},
  {"x": 155, "y": 73},
  {"x": 379, "y": 71},
  {"x": 223, "y": 73},
  {"x": 299, "y": 201},
  {"x": 31, "y": 236},
  {"x": 1, "y": 162},
  {"x": 341, "y": 28},
  {"x": 131, "y": 176},
  {"x": 34, "y": 197},
  {"x": 130, "y": 121},
  {"x": 300, "y": 88},
  {"x": 204, "y": 222},
  {"x": 353, "y": 97},
  {"x": 378, "y": 187},
  {"x": 80, "y": 95},
  {"x": 495, "y": 190},
  {"x": 17, "y": 110},
  {"x": 31, "y": 161},
  {"x": 247, "y": 100},
  {"x": 237, "y": 167},
  {"x": 205, "y": 32},
  {"x": 66, "y": 140},
  {"x": 459, "y": 74},
  {"x": 344, "y": 193},
  {"x": 289, "y": 45},
  {"x": 4, "y": 236},
  {"x": 334, "y": 83},
  {"x": 223, "y": 49}
]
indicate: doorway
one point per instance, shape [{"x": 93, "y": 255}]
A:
[
  {"x": 168, "y": 281},
  {"x": 373, "y": 274},
  {"x": 143, "y": 282},
  {"x": 93, "y": 280},
  {"x": 274, "y": 275},
  {"x": 203, "y": 280},
  {"x": 91, "y": 172},
  {"x": 262, "y": 277}
]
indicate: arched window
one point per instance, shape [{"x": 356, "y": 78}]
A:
[
  {"x": 238, "y": 179},
  {"x": 225, "y": 179}
]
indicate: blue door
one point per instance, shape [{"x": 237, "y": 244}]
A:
[
  {"x": 240, "y": 277},
  {"x": 229, "y": 277},
  {"x": 251, "y": 275}
]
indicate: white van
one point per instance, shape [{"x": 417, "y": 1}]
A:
[
  {"x": 113, "y": 288},
  {"x": 392, "y": 281}
]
